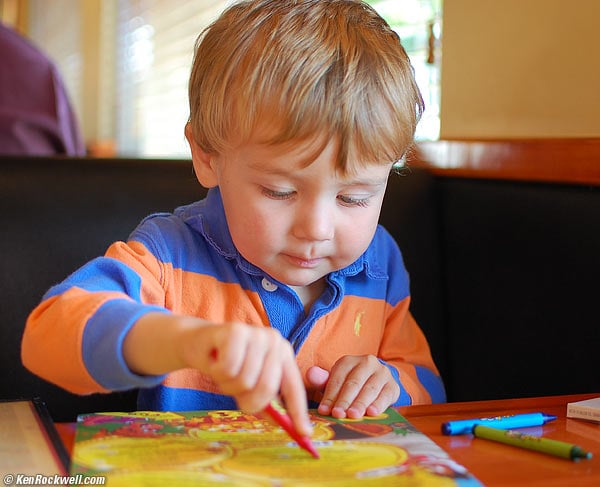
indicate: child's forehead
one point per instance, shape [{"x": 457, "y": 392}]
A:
[
  {"x": 283, "y": 158},
  {"x": 302, "y": 150}
]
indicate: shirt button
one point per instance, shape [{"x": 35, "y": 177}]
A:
[{"x": 268, "y": 285}]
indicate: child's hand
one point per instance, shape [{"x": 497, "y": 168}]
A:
[
  {"x": 356, "y": 385},
  {"x": 254, "y": 364},
  {"x": 250, "y": 363}
]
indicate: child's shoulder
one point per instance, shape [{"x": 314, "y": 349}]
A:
[
  {"x": 385, "y": 265},
  {"x": 384, "y": 243},
  {"x": 179, "y": 216},
  {"x": 168, "y": 227},
  {"x": 383, "y": 255}
]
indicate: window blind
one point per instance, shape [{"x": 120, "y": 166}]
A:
[
  {"x": 155, "y": 50},
  {"x": 126, "y": 63},
  {"x": 56, "y": 31}
]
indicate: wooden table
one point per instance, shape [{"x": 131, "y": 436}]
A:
[{"x": 496, "y": 464}]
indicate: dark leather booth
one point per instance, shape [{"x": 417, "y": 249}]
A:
[{"x": 505, "y": 275}]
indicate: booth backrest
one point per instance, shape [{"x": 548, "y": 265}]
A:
[
  {"x": 521, "y": 286},
  {"x": 56, "y": 215},
  {"x": 504, "y": 274}
]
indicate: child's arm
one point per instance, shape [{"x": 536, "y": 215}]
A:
[
  {"x": 75, "y": 337},
  {"x": 252, "y": 364}
]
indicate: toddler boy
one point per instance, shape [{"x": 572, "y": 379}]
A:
[{"x": 280, "y": 281}]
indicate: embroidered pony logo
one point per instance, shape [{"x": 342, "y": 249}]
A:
[{"x": 358, "y": 322}]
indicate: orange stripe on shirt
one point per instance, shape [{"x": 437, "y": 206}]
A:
[
  {"x": 60, "y": 329},
  {"x": 353, "y": 328},
  {"x": 189, "y": 293}
]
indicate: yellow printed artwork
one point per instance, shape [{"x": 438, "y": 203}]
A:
[
  {"x": 222, "y": 448},
  {"x": 120, "y": 453},
  {"x": 288, "y": 463}
]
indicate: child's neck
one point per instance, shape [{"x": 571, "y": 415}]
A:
[{"x": 309, "y": 294}]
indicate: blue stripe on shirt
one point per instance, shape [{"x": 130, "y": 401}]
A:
[
  {"x": 101, "y": 274},
  {"x": 162, "y": 398},
  {"x": 433, "y": 383},
  {"x": 102, "y": 345}
]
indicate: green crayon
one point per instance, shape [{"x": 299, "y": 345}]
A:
[{"x": 543, "y": 445}]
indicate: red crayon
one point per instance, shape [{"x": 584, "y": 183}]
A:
[{"x": 280, "y": 416}]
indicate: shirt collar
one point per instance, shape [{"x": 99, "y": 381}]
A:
[{"x": 208, "y": 218}]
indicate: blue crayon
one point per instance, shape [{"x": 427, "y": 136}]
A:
[{"x": 465, "y": 426}]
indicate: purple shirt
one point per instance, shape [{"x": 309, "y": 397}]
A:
[{"x": 36, "y": 117}]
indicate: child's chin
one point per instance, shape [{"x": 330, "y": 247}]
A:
[{"x": 302, "y": 281}]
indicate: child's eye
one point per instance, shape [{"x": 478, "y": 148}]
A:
[
  {"x": 277, "y": 195},
  {"x": 353, "y": 200}
]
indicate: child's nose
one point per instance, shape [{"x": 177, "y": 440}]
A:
[{"x": 315, "y": 221}]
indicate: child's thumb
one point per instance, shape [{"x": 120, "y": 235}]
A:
[{"x": 317, "y": 377}]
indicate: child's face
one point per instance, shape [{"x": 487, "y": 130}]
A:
[{"x": 291, "y": 214}]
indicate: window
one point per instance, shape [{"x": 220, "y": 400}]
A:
[
  {"x": 128, "y": 68},
  {"x": 57, "y": 33},
  {"x": 418, "y": 23},
  {"x": 154, "y": 55}
]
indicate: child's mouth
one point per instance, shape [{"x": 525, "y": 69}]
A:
[{"x": 303, "y": 262}]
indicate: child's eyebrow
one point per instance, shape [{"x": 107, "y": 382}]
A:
[
  {"x": 374, "y": 182},
  {"x": 344, "y": 181},
  {"x": 270, "y": 169},
  {"x": 281, "y": 166}
]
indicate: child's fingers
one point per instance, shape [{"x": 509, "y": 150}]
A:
[
  {"x": 345, "y": 381},
  {"x": 294, "y": 395},
  {"x": 316, "y": 380},
  {"x": 377, "y": 394},
  {"x": 359, "y": 386},
  {"x": 255, "y": 364},
  {"x": 280, "y": 373},
  {"x": 388, "y": 395},
  {"x": 229, "y": 352},
  {"x": 359, "y": 389},
  {"x": 367, "y": 394},
  {"x": 266, "y": 375}
]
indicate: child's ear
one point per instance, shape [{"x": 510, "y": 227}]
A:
[{"x": 203, "y": 161}]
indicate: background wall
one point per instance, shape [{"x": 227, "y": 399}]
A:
[
  {"x": 510, "y": 69},
  {"x": 520, "y": 69}
]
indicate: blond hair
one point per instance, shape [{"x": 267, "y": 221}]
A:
[{"x": 295, "y": 69}]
